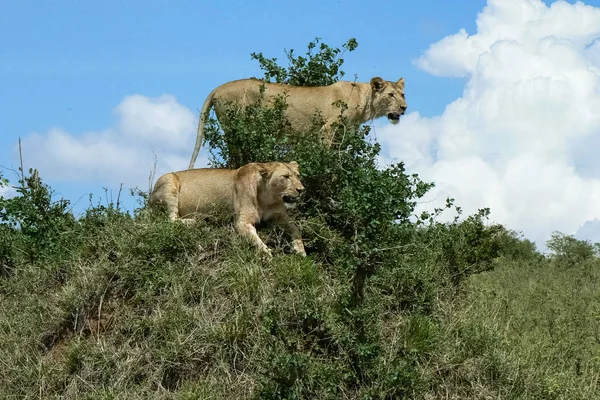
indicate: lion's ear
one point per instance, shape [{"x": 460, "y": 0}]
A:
[
  {"x": 377, "y": 84},
  {"x": 400, "y": 82},
  {"x": 264, "y": 172},
  {"x": 294, "y": 167}
]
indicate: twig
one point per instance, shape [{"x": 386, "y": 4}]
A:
[
  {"x": 152, "y": 173},
  {"x": 100, "y": 306},
  {"x": 73, "y": 204},
  {"x": 119, "y": 195},
  {"x": 21, "y": 167}
]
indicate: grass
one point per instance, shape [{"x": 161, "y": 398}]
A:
[
  {"x": 148, "y": 308},
  {"x": 114, "y": 306},
  {"x": 525, "y": 331}
]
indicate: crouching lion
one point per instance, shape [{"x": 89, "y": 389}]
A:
[
  {"x": 253, "y": 193},
  {"x": 365, "y": 101}
]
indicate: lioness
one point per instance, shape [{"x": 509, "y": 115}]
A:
[
  {"x": 253, "y": 193},
  {"x": 365, "y": 101}
]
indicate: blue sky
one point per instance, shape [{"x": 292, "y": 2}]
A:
[
  {"x": 71, "y": 65},
  {"x": 68, "y": 63}
]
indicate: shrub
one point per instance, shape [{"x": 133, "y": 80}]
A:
[
  {"x": 316, "y": 69},
  {"x": 568, "y": 251},
  {"x": 40, "y": 220}
]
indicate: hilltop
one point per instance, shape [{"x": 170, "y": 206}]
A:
[{"x": 389, "y": 303}]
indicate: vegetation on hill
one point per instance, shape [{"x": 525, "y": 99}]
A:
[{"x": 388, "y": 304}]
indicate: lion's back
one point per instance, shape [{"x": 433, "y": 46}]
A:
[
  {"x": 205, "y": 190},
  {"x": 303, "y": 102},
  {"x": 247, "y": 91}
]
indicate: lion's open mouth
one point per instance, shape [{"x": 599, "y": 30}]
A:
[
  {"x": 393, "y": 116},
  {"x": 290, "y": 199}
]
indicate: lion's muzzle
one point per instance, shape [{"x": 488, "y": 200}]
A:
[
  {"x": 290, "y": 199},
  {"x": 394, "y": 117}
]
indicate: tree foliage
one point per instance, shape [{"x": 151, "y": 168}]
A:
[
  {"x": 320, "y": 67},
  {"x": 568, "y": 251},
  {"x": 38, "y": 218}
]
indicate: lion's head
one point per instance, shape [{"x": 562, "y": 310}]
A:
[
  {"x": 282, "y": 182},
  {"x": 388, "y": 99}
]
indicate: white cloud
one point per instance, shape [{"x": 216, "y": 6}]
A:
[
  {"x": 7, "y": 192},
  {"x": 123, "y": 153},
  {"x": 161, "y": 121},
  {"x": 524, "y": 137},
  {"x": 589, "y": 231},
  {"x": 516, "y": 21}
]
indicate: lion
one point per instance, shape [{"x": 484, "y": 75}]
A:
[
  {"x": 365, "y": 102},
  {"x": 253, "y": 193}
]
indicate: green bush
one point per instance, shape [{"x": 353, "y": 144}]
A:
[
  {"x": 316, "y": 69},
  {"x": 7, "y": 250},
  {"x": 363, "y": 205},
  {"x": 568, "y": 251},
  {"x": 40, "y": 221}
]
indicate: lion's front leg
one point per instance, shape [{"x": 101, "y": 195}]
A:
[
  {"x": 247, "y": 229},
  {"x": 299, "y": 247},
  {"x": 327, "y": 135},
  {"x": 289, "y": 225}
]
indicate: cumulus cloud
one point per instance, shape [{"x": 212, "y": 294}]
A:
[
  {"x": 160, "y": 121},
  {"x": 125, "y": 153},
  {"x": 7, "y": 191},
  {"x": 523, "y": 137},
  {"x": 523, "y": 22},
  {"x": 589, "y": 231}
]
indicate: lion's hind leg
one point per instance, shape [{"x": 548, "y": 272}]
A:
[{"x": 166, "y": 195}]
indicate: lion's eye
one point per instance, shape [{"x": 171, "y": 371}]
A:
[
  {"x": 392, "y": 95},
  {"x": 286, "y": 176}
]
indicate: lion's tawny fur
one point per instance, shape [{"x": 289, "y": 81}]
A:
[
  {"x": 365, "y": 102},
  {"x": 253, "y": 193}
]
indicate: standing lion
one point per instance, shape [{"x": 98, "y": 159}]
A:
[{"x": 365, "y": 101}]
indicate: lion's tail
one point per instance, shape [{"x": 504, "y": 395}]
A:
[{"x": 201, "y": 122}]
